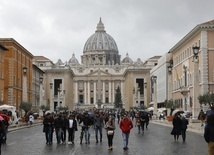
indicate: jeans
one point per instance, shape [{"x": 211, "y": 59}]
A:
[
  {"x": 58, "y": 135},
  {"x": 87, "y": 135},
  {"x": 98, "y": 128},
  {"x": 125, "y": 139},
  {"x": 48, "y": 135},
  {"x": 63, "y": 136}
]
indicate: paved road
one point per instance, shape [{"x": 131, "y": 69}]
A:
[{"x": 155, "y": 141}]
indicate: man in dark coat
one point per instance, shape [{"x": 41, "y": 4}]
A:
[
  {"x": 209, "y": 134},
  {"x": 47, "y": 129},
  {"x": 184, "y": 127}
]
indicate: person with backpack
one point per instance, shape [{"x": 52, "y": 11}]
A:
[{"x": 201, "y": 117}]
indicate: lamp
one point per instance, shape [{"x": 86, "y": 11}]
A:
[
  {"x": 154, "y": 78},
  {"x": 41, "y": 79},
  {"x": 145, "y": 84},
  {"x": 195, "y": 50},
  {"x": 51, "y": 85},
  {"x": 24, "y": 70},
  {"x": 133, "y": 90}
]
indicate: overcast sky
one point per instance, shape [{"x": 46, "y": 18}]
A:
[{"x": 143, "y": 28}]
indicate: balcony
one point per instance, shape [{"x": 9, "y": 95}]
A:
[{"x": 184, "y": 90}]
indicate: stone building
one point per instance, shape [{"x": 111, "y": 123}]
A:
[
  {"x": 17, "y": 73},
  {"x": 92, "y": 82},
  {"x": 2, "y": 49}
]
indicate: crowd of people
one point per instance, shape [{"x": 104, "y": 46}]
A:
[{"x": 63, "y": 123}]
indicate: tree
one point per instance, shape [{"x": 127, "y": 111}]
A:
[
  {"x": 207, "y": 98},
  {"x": 118, "y": 99},
  {"x": 171, "y": 105},
  {"x": 26, "y": 106}
]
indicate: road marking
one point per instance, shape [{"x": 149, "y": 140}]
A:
[{"x": 11, "y": 143}]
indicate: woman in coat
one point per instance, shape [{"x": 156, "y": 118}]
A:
[
  {"x": 2, "y": 133},
  {"x": 110, "y": 127},
  {"x": 177, "y": 124}
]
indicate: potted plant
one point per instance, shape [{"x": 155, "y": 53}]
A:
[{"x": 170, "y": 105}]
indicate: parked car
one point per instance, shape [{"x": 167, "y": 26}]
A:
[{"x": 35, "y": 115}]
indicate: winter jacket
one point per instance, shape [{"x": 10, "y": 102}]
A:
[{"x": 126, "y": 125}]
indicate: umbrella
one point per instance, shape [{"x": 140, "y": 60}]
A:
[
  {"x": 5, "y": 117},
  {"x": 1, "y": 118},
  {"x": 177, "y": 112}
]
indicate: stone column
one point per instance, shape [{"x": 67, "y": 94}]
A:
[
  {"x": 95, "y": 93},
  {"x": 89, "y": 101},
  {"x": 104, "y": 92},
  {"x": 110, "y": 101},
  {"x": 85, "y": 93},
  {"x": 76, "y": 92},
  {"x": 113, "y": 92}
]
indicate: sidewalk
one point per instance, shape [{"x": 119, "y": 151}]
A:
[
  {"x": 22, "y": 125},
  {"x": 192, "y": 127}
]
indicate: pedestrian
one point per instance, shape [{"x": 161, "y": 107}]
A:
[
  {"x": 209, "y": 134},
  {"x": 110, "y": 127},
  {"x": 98, "y": 125},
  {"x": 87, "y": 123},
  {"x": 2, "y": 132},
  {"x": 72, "y": 127},
  {"x": 31, "y": 119},
  {"x": 118, "y": 117},
  {"x": 126, "y": 126},
  {"x": 137, "y": 122},
  {"x": 47, "y": 129},
  {"x": 185, "y": 122},
  {"x": 201, "y": 117},
  {"x": 142, "y": 120},
  {"x": 64, "y": 127},
  {"x": 211, "y": 111},
  {"x": 147, "y": 120},
  {"x": 58, "y": 128},
  {"x": 176, "y": 130}
]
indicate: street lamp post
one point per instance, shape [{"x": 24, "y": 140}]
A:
[
  {"x": 58, "y": 99},
  {"x": 24, "y": 92},
  {"x": 41, "y": 91},
  {"x": 134, "y": 102},
  {"x": 169, "y": 96},
  {"x": 154, "y": 80},
  {"x": 145, "y": 94},
  {"x": 196, "y": 107},
  {"x": 51, "y": 98}
]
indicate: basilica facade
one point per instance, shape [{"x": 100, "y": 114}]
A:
[{"x": 93, "y": 81}]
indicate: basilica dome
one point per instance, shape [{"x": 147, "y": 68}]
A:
[
  {"x": 100, "y": 40},
  {"x": 100, "y": 48}
]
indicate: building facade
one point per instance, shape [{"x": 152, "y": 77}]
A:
[
  {"x": 2, "y": 49},
  {"x": 92, "y": 83},
  {"x": 17, "y": 73}
]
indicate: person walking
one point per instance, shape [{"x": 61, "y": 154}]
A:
[
  {"x": 126, "y": 126},
  {"x": 72, "y": 127},
  {"x": 47, "y": 129},
  {"x": 98, "y": 125},
  {"x": 87, "y": 122},
  {"x": 142, "y": 120},
  {"x": 64, "y": 127},
  {"x": 185, "y": 122},
  {"x": 176, "y": 130},
  {"x": 58, "y": 128},
  {"x": 137, "y": 122},
  {"x": 209, "y": 134},
  {"x": 31, "y": 119},
  {"x": 110, "y": 127},
  {"x": 201, "y": 117}
]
